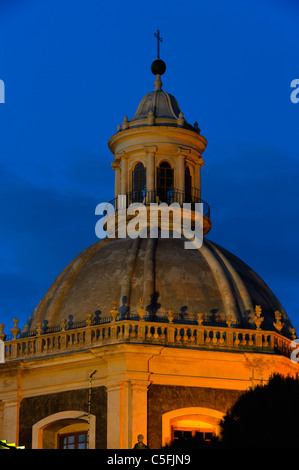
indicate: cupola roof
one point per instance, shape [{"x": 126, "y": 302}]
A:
[{"x": 159, "y": 102}]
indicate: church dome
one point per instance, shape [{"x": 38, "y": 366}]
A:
[
  {"x": 161, "y": 103},
  {"x": 161, "y": 107},
  {"x": 210, "y": 280}
]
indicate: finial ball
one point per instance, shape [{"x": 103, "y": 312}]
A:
[{"x": 158, "y": 67}]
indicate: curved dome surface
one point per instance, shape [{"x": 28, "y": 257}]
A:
[
  {"x": 163, "y": 107},
  {"x": 161, "y": 103},
  {"x": 210, "y": 280}
]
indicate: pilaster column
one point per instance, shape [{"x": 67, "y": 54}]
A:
[
  {"x": 124, "y": 175},
  {"x": 197, "y": 180},
  {"x": 139, "y": 411},
  {"x": 150, "y": 171},
  {"x": 126, "y": 413},
  {"x": 180, "y": 169},
  {"x": 117, "y": 178},
  {"x": 117, "y": 414},
  {"x": 10, "y": 414}
]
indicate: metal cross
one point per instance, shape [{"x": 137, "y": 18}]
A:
[{"x": 159, "y": 39}]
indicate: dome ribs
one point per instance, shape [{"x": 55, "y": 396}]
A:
[
  {"x": 126, "y": 282},
  {"x": 149, "y": 281},
  {"x": 238, "y": 285}
]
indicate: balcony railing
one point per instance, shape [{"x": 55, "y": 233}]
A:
[
  {"x": 161, "y": 195},
  {"x": 146, "y": 331}
]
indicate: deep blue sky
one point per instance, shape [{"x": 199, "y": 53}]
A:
[{"x": 72, "y": 70}]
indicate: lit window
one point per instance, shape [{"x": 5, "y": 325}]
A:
[
  {"x": 165, "y": 182},
  {"x": 191, "y": 433},
  {"x": 138, "y": 182},
  {"x": 77, "y": 440},
  {"x": 188, "y": 184}
]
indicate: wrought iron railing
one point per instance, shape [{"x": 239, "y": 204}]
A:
[{"x": 169, "y": 196}]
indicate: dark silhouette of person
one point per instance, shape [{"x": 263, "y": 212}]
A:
[{"x": 140, "y": 444}]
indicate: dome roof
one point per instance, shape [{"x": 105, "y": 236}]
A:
[
  {"x": 161, "y": 103},
  {"x": 211, "y": 281},
  {"x": 162, "y": 107}
]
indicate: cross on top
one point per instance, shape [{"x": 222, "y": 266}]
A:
[{"x": 159, "y": 39}]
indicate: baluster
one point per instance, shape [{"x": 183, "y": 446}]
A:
[
  {"x": 265, "y": 341},
  {"x": 148, "y": 333},
  {"x": 243, "y": 341},
  {"x": 121, "y": 332},
  {"x": 178, "y": 335},
  {"x": 185, "y": 337},
  {"x": 82, "y": 337},
  {"x": 105, "y": 334},
  {"x": 192, "y": 337},
  {"x": 222, "y": 337},
  {"x": 154, "y": 332},
  {"x": 207, "y": 339},
  {"x": 133, "y": 332},
  {"x": 98, "y": 334},
  {"x": 237, "y": 340},
  {"x": 31, "y": 347},
  {"x": 24, "y": 348},
  {"x": 214, "y": 337}
]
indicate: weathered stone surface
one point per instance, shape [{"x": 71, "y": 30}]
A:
[
  {"x": 210, "y": 280},
  {"x": 34, "y": 409},
  {"x": 162, "y": 398}
]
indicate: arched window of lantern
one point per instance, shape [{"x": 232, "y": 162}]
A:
[
  {"x": 188, "y": 184},
  {"x": 138, "y": 182},
  {"x": 165, "y": 182}
]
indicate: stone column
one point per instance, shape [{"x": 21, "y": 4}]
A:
[
  {"x": 150, "y": 172},
  {"x": 180, "y": 169},
  {"x": 124, "y": 175},
  {"x": 117, "y": 415},
  {"x": 117, "y": 178},
  {"x": 197, "y": 180},
  {"x": 139, "y": 411},
  {"x": 10, "y": 418},
  {"x": 126, "y": 413}
]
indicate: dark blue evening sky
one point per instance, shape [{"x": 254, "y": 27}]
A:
[{"x": 72, "y": 70}]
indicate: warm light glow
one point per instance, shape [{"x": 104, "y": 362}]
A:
[
  {"x": 193, "y": 418},
  {"x": 194, "y": 424}
]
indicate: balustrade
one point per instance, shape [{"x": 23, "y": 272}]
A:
[{"x": 140, "y": 331}]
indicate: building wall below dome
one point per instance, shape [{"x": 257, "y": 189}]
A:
[
  {"x": 134, "y": 388},
  {"x": 34, "y": 409},
  {"x": 162, "y": 399}
]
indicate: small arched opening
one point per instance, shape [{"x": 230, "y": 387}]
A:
[
  {"x": 64, "y": 430},
  {"x": 138, "y": 182},
  {"x": 165, "y": 180},
  {"x": 188, "y": 423},
  {"x": 188, "y": 185}
]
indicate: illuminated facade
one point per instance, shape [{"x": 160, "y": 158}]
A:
[{"x": 141, "y": 336}]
